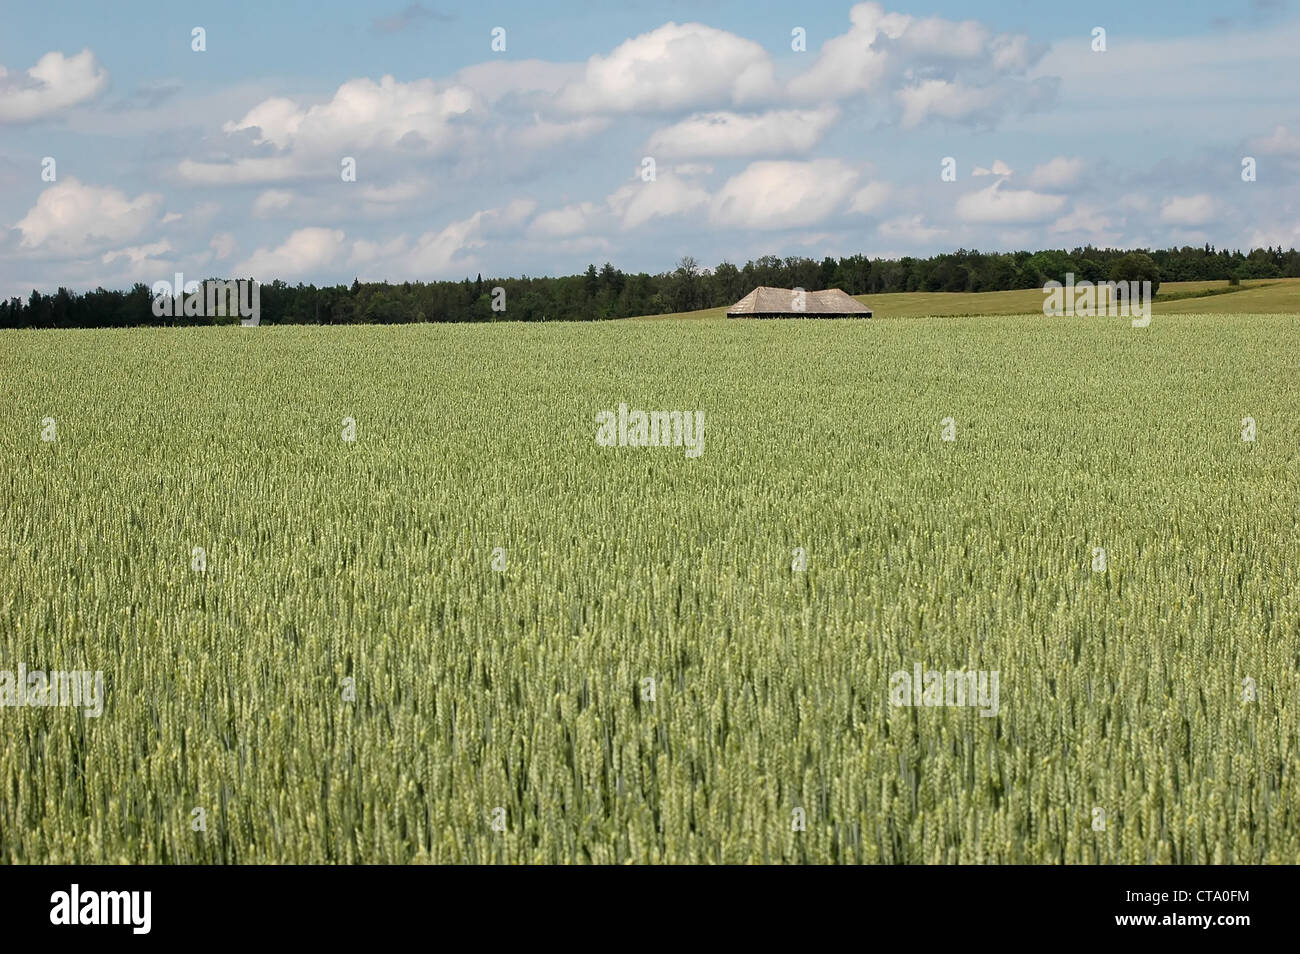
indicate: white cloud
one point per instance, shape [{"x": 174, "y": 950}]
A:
[
  {"x": 405, "y": 190},
  {"x": 363, "y": 114},
  {"x": 271, "y": 202},
  {"x": 779, "y": 132},
  {"x": 638, "y": 202},
  {"x": 240, "y": 171},
  {"x": 998, "y": 205},
  {"x": 298, "y": 256},
  {"x": 869, "y": 198},
  {"x": 438, "y": 254},
  {"x": 693, "y": 169},
  {"x": 1000, "y": 168},
  {"x": 1188, "y": 210},
  {"x": 910, "y": 229},
  {"x": 515, "y": 214},
  {"x": 1135, "y": 202},
  {"x": 498, "y": 79},
  {"x": 1282, "y": 142},
  {"x": 784, "y": 194},
  {"x": 54, "y": 83},
  {"x": 1283, "y": 235},
  {"x": 424, "y": 117},
  {"x": 144, "y": 263},
  {"x": 434, "y": 253},
  {"x": 223, "y": 246},
  {"x": 72, "y": 218},
  {"x": 569, "y": 220},
  {"x": 629, "y": 207},
  {"x": 1088, "y": 220},
  {"x": 140, "y": 255},
  {"x": 945, "y": 39},
  {"x": 1058, "y": 173},
  {"x": 943, "y": 99},
  {"x": 852, "y": 62},
  {"x": 365, "y": 251},
  {"x": 676, "y": 66},
  {"x": 1011, "y": 53},
  {"x": 542, "y": 134},
  {"x": 934, "y": 68}
]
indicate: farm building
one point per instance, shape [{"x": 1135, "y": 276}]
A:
[{"x": 765, "y": 302}]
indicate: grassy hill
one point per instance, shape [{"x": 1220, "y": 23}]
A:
[{"x": 1269, "y": 296}]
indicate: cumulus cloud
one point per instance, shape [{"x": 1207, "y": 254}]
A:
[
  {"x": 514, "y": 214},
  {"x": 946, "y": 99},
  {"x": 302, "y": 253},
  {"x": 1000, "y": 168},
  {"x": 1058, "y": 173},
  {"x": 638, "y": 202},
  {"x": 996, "y": 204},
  {"x": 1283, "y": 235},
  {"x": 71, "y": 218},
  {"x": 272, "y": 202},
  {"x": 632, "y": 205},
  {"x": 1011, "y": 53},
  {"x": 543, "y": 134},
  {"x": 933, "y": 68},
  {"x": 363, "y": 114},
  {"x": 438, "y": 254},
  {"x": 677, "y": 66},
  {"x": 771, "y": 194},
  {"x": 778, "y": 132},
  {"x": 784, "y": 194},
  {"x": 1282, "y": 142},
  {"x": 424, "y": 118},
  {"x": 54, "y": 83},
  {"x": 869, "y": 198},
  {"x": 405, "y": 190},
  {"x": 944, "y": 39},
  {"x": 223, "y": 246},
  {"x": 853, "y": 62},
  {"x": 910, "y": 229},
  {"x": 1188, "y": 210},
  {"x": 566, "y": 221},
  {"x": 1088, "y": 220},
  {"x": 495, "y": 80},
  {"x": 240, "y": 171},
  {"x": 140, "y": 255}
]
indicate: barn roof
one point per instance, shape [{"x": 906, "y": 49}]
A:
[{"x": 784, "y": 301}]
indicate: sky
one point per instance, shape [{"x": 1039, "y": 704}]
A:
[{"x": 327, "y": 141}]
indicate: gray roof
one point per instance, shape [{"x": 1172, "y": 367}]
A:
[{"x": 786, "y": 301}]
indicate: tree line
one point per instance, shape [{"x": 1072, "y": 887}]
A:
[{"x": 609, "y": 292}]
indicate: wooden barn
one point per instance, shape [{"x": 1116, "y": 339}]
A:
[{"x": 765, "y": 302}]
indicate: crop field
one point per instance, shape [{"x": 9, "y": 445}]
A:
[
  {"x": 1263, "y": 296},
  {"x": 459, "y": 629}
]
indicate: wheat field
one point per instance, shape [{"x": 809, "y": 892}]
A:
[{"x": 473, "y": 634}]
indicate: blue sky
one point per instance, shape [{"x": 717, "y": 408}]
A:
[{"x": 532, "y": 159}]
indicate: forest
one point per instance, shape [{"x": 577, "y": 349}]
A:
[{"x": 608, "y": 292}]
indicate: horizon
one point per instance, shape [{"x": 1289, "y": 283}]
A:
[
  {"x": 127, "y": 160},
  {"x": 704, "y": 270}
]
